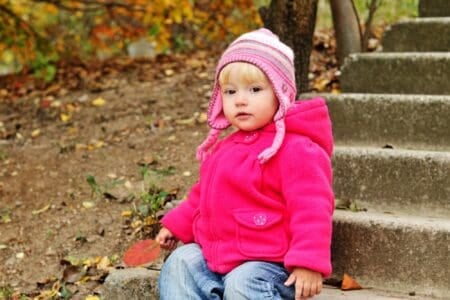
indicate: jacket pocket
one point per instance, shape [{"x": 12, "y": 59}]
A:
[{"x": 260, "y": 234}]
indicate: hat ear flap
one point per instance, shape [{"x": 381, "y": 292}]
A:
[{"x": 216, "y": 117}]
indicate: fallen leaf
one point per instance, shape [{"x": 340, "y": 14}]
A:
[
  {"x": 169, "y": 72},
  {"x": 98, "y": 102},
  {"x": 88, "y": 204},
  {"x": 104, "y": 264},
  {"x": 150, "y": 221},
  {"x": 189, "y": 121},
  {"x": 203, "y": 75},
  {"x": 35, "y": 133},
  {"x": 127, "y": 213},
  {"x": 40, "y": 211},
  {"x": 320, "y": 84},
  {"x": 71, "y": 108},
  {"x": 141, "y": 253},
  {"x": 65, "y": 117},
  {"x": 46, "y": 102},
  {"x": 349, "y": 284},
  {"x": 202, "y": 117},
  {"x": 55, "y": 104},
  {"x": 147, "y": 160},
  {"x": 83, "y": 98},
  {"x": 91, "y": 297}
]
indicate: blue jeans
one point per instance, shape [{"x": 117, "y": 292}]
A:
[{"x": 185, "y": 276}]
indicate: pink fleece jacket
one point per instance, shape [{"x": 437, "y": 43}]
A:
[{"x": 280, "y": 211}]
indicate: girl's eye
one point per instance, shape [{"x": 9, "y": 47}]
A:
[
  {"x": 229, "y": 92},
  {"x": 256, "y": 89}
]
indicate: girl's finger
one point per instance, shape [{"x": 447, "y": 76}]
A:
[
  {"x": 290, "y": 280},
  {"x": 299, "y": 290}
]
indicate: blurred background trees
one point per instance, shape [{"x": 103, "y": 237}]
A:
[{"x": 36, "y": 35}]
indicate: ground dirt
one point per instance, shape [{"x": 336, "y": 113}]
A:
[
  {"x": 151, "y": 115},
  {"x": 50, "y": 142}
]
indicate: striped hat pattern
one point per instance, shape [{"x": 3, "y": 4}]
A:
[{"x": 263, "y": 49}]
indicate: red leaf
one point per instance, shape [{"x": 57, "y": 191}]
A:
[
  {"x": 141, "y": 253},
  {"x": 348, "y": 283}
]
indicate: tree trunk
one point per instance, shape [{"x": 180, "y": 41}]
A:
[
  {"x": 346, "y": 27},
  {"x": 294, "y": 22}
]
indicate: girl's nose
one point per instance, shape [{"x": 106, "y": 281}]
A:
[{"x": 241, "y": 99}]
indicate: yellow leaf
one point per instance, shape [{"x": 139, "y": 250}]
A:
[
  {"x": 91, "y": 297},
  {"x": 99, "y": 144},
  {"x": 202, "y": 118},
  {"x": 65, "y": 117},
  {"x": 336, "y": 91},
  {"x": 189, "y": 121},
  {"x": 35, "y": 133},
  {"x": 169, "y": 72},
  {"x": 81, "y": 147},
  {"x": 88, "y": 204},
  {"x": 98, "y": 102},
  {"x": 150, "y": 221},
  {"x": 39, "y": 211},
  {"x": 104, "y": 263},
  {"x": 127, "y": 213}
]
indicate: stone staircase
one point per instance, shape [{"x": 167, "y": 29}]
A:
[
  {"x": 392, "y": 130},
  {"x": 392, "y": 159}
]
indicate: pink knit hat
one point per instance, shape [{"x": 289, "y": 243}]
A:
[{"x": 263, "y": 49}]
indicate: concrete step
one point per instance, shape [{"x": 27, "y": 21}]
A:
[
  {"x": 391, "y": 180},
  {"x": 140, "y": 283},
  {"x": 434, "y": 8},
  {"x": 398, "y": 253},
  {"x": 402, "y": 121},
  {"x": 397, "y": 73},
  {"x": 418, "y": 35}
]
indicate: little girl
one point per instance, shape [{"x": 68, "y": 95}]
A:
[{"x": 258, "y": 223}]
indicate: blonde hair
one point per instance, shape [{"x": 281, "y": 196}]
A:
[{"x": 248, "y": 73}]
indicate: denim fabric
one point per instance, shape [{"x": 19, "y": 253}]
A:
[{"x": 185, "y": 276}]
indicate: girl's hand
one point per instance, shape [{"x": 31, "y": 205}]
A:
[
  {"x": 166, "y": 239},
  {"x": 308, "y": 283}
]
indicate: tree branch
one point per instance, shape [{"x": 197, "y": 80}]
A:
[
  {"x": 373, "y": 7},
  {"x": 92, "y": 5}
]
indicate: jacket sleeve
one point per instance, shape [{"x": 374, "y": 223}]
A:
[
  {"x": 180, "y": 219},
  {"x": 307, "y": 188}
]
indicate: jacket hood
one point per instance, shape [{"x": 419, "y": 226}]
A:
[{"x": 310, "y": 118}]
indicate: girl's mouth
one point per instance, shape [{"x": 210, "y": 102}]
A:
[{"x": 242, "y": 115}]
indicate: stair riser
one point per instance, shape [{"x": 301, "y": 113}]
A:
[
  {"x": 418, "y": 36},
  {"x": 391, "y": 182},
  {"x": 411, "y": 122},
  {"x": 434, "y": 8},
  {"x": 410, "y": 73},
  {"x": 392, "y": 257}
]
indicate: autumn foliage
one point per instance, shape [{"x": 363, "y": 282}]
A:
[{"x": 35, "y": 34}]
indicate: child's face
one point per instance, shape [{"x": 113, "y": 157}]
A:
[{"x": 248, "y": 103}]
